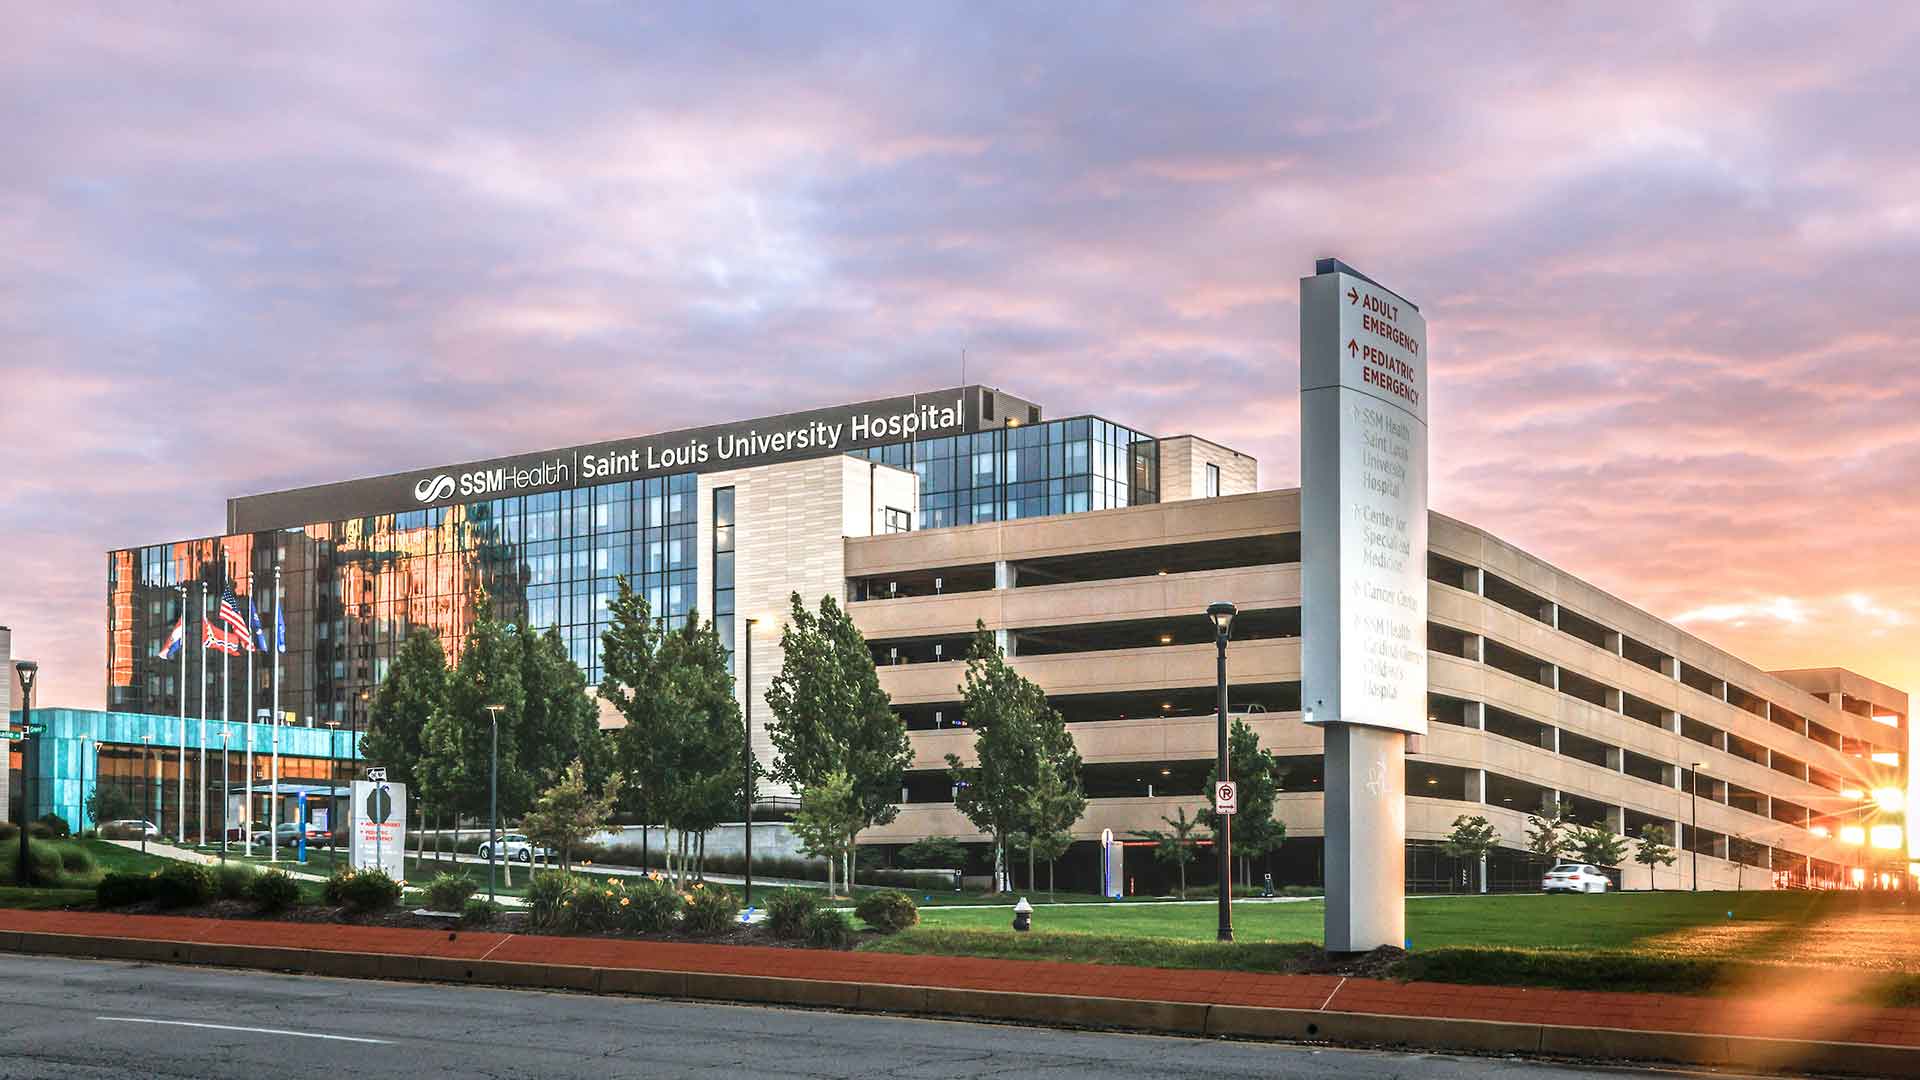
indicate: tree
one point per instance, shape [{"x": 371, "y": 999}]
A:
[
  {"x": 829, "y": 815},
  {"x": 1053, "y": 806},
  {"x": 561, "y": 724},
  {"x": 934, "y": 852},
  {"x": 1471, "y": 839},
  {"x": 456, "y": 760},
  {"x": 1548, "y": 837},
  {"x": 412, "y": 694},
  {"x": 1256, "y": 832},
  {"x": 682, "y": 749},
  {"x": 1655, "y": 851},
  {"x": 830, "y": 715},
  {"x": 569, "y": 812},
  {"x": 110, "y": 802},
  {"x": 1018, "y": 739},
  {"x": 1175, "y": 844},
  {"x": 1598, "y": 845}
]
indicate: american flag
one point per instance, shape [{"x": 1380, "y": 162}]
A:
[{"x": 233, "y": 625}]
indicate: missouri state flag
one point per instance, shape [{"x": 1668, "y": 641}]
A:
[{"x": 176, "y": 639}]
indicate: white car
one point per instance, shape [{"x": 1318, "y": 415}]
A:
[
  {"x": 133, "y": 827},
  {"x": 1574, "y": 877},
  {"x": 517, "y": 847}
]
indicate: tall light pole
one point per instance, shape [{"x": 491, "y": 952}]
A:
[
  {"x": 1221, "y": 613},
  {"x": 493, "y": 803},
  {"x": 749, "y": 787},
  {"x": 1693, "y": 830},
  {"x": 333, "y": 794},
  {"x": 27, "y": 670},
  {"x": 146, "y": 787}
]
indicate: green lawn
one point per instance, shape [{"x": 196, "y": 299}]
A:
[{"x": 1837, "y": 929}]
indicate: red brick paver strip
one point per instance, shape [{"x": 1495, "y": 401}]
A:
[{"x": 1790, "y": 1014}]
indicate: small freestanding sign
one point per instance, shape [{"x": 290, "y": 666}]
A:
[
  {"x": 1225, "y": 798},
  {"x": 379, "y": 827},
  {"x": 1363, "y": 516}
]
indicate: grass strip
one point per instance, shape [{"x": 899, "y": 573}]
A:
[{"x": 1267, "y": 956}]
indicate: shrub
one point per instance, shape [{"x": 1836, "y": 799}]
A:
[
  {"x": 362, "y": 890},
  {"x": 449, "y": 892},
  {"x": 77, "y": 863},
  {"x": 479, "y": 911},
  {"x": 182, "y": 884},
  {"x": 828, "y": 929},
  {"x": 547, "y": 896},
  {"x": 788, "y": 911},
  {"x": 54, "y": 824},
  {"x": 234, "y": 881},
  {"x": 887, "y": 911},
  {"x": 710, "y": 911},
  {"x": 123, "y": 890},
  {"x": 119, "y": 832},
  {"x": 653, "y": 907},
  {"x": 274, "y": 890}
]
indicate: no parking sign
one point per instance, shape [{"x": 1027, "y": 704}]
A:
[{"x": 1224, "y": 797}]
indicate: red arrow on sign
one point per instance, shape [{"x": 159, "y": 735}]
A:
[
  {"x": 1353, "y": 297},
  {"x": 1353, "y": 347}
]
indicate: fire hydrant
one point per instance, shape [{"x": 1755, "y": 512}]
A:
[{"x": 1023, "y": 915}]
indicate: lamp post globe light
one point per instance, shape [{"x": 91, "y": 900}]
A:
[
  {"x": 27, "y": 670},
  {"x": 1221, "y": 614},
  {"x": 493, "y": 803},
  {"x": 333, "y": 793},
  {"x": 226, "y": 787}
]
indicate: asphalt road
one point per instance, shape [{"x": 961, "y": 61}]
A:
[{"x": 98, "y": 1019}]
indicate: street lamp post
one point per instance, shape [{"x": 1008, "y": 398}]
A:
[
  {"x": 333, "y": 795},
  {"x": 1693, "y": 830},
  {"x": 1221, "y": 613},
  {"x": 226, "y": 787},
  {"x": 750, "y": 770},
  {"x": 493, "y": 803},
  {"x": 146, "y": 785},
  {"x": 29, "y": 747}
]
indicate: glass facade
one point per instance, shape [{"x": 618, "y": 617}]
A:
[
  {"x": 1056, "y": 467},
  {"x": 354, "y": 589}
]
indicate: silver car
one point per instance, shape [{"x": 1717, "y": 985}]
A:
[{"x": 517, "y": 847}]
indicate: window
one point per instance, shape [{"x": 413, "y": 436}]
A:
[
  {"x": 897, "y": 521},
  {"x": 1213, "y": 481},
  {"x": 723, "y": 569}
]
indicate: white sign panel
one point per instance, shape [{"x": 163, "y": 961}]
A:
[
  {"x": 1363, "y": 504},
  {"x": 379, "y": 833},
  {"x": 1226, "y": 799}
]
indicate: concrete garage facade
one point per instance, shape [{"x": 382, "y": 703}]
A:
[{"x": 1543, "y": 688}]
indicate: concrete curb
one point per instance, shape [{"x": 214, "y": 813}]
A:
[{"x": 1042, "y": 1010}]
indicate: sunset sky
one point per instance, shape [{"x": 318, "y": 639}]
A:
[{"x": 1670, "y": 262}]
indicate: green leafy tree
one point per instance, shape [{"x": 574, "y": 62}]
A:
[
  {"x": 830, "y": 714},
  {"x": 110, "y": 802},
  {"x": 1175, "y": 845},
  {"x": 1053, "y": 807},
  {"x": 1256, "y": 778},
  {"x": 457, "y": 743},
  {"x": 569, "y": 812},
  {"x": 1548, "y": 836},
  {"x": 934, "y": 853},
  {"x": 1598, "y": 845},
  {"x": 830, "y": 813},
  {"x": 412, "y": 694},
  {"x": 561, "y": 724},
  {"x": 1655, "y": 849},
  {"x": 1471, "y": 839},
  {"x": 682, "y": 749},
  {"x": 1018, "y": 738}
]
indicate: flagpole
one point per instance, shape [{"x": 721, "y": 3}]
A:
[
  {"x": 273, "y": 797},
  {"x": 180, "y": 812},
  {"x": 202, "y": 784},
  {"x": 253, "y": 701},
  {"x": 226, "y": 703}
]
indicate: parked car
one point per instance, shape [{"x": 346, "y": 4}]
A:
[
  {"x": 130, "y": 829},
  {"x": 287, "y": 834},
  {"x": 1574, "y": 877},
  {"x": 517, "y": 847}
]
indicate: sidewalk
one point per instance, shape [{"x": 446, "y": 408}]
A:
[{"x": 1773, "y": 1031}]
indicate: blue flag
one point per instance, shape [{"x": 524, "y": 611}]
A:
[
  {"x": 280, "y": 629},
  {"x": 259, "y": 632}
]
